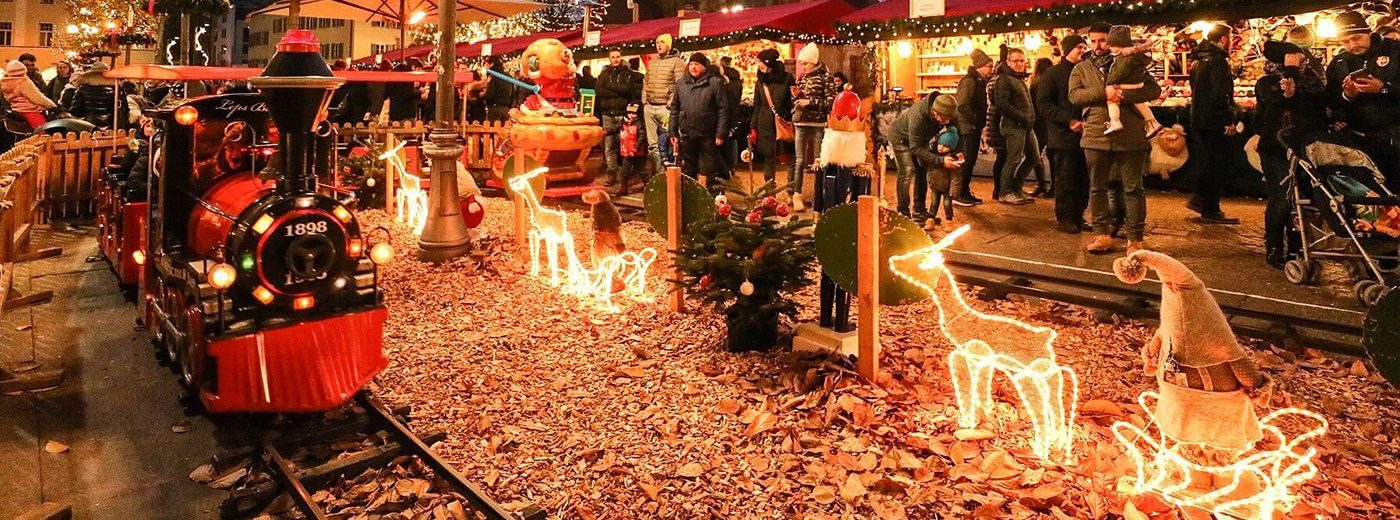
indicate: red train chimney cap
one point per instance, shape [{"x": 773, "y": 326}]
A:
[{"x": 299, "y": 40}]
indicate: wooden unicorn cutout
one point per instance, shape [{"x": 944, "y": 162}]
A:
[{"x": 988, "y": 344}]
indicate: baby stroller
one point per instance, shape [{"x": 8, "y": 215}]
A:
[{"x": 1344, "y": 213}]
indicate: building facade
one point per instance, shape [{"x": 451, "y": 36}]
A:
[
  {"x": 349, "y": 39},
  {"x": 31, "y": 26}
]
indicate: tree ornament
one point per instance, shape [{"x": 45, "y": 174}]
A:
[
  {"x": 755, "y": 217},
  {"x": 705, "y": 281},
  {"x": 724, "y": 210},
  {"x": 721, "y": 200},
  {"x": 760, "y": 252},
  {"x": 746, "y": 288},
  {"x": 783, "y": 210},
  {"x": 769, "y": 202},
  {"x": 370, "y": 182}
]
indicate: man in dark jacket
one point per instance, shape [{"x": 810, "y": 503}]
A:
[
  {"x": 1013, "y": 101},
  {"x": 910, "y": 136},
  {"x": 1363, "y": 86},
  {"x": 1063, "y": 126},
  {"x": 972, "y": 119},
  {"x": 734, "y": 87},
  {"x": 500, "y": 94},
  {"x": 618, "y": 86},
  {"x": 1289, "y": 95},
  {"x": 699, "y": 120},
  {"x": 93, "y": 102},
  {"x": 1120, "y": 156},
  {"x": 1212, "y": 122}
]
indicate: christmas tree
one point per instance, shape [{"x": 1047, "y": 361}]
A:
[
  {"x": 748, "y": 260},
  {"x": 96, "y": 27}
]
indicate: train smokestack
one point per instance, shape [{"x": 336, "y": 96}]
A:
[{"x": 297, "y": 85}]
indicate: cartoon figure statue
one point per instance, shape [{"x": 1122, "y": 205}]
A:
[
  {"x": 547, "y": 126},
  {"x": 549, "y": 64},
  {"x": 1210, "y": 454},
  {"x": 840, "y": 180}
]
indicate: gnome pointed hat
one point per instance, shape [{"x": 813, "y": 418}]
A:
[
  {"x": 845, "y": 112},
  {"x": 1193, "y": 326}
]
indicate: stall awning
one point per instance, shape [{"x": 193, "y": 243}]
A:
[
  {"x": 889, "y": 20},
  {"x": 499, "y": 46},
  {"x": 799, "y": 20},
  {"x": 194, "y": 73}
]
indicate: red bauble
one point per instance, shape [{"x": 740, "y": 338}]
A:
[
  {"x": 705, "y": 281},
  {"x": 769, "y": 202},
  {"x": 755, "y": 217},
  {"x": 725, "y": 210},
  {"x": 783, "y": 210}
]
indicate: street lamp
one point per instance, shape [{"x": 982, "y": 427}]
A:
[{"x": 444, "y": 234}]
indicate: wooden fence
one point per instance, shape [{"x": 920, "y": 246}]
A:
[
  {"x": 70, "y": 171},
  {"x": 481, "y": 137},
  {"x": 19, "y": 202}
]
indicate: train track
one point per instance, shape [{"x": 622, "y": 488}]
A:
[{"x": 391, "y": 445}]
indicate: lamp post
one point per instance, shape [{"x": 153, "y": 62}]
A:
[{"x": 444, "y": 234}]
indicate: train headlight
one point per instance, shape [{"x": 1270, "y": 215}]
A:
[
  {"x": 186, "y": 115},
  {"x": 221, "y": 276},
  {"x": 139, "y": 257},
  {"x": 382, "y": 253}
]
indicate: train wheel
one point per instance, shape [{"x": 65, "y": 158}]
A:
[
  {"x": 175, "y": 341},
  {"x": 192, "y": 355}
]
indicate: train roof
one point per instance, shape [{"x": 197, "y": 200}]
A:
[{"x": 197, "y": 73}]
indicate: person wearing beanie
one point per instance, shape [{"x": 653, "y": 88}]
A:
[
  {"x": 1130, "y": 62},
  {"x": 947, "y": 151},
  {"x": 699, "y": 122},
  {"x": 842, "y": 175},
  {"x": 972, "y": 119},
  {"x": 811, "y": 106},
  {"x": 23, "y": 96},
  {"x": 1012, "y": 99},
  {"x": 772, "y": 103},
  {"x": 1363, "y": 91},
  {"x": 1063, "y": 124},
  {"x": 910, "y": 135},
  {"x": 664, "y": 72},
  {"x": 618, "y": 88},
  {"x": 1113, "y": 159},
  {"x": 1212, "y": 122}
]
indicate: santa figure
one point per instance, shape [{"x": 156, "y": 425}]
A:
[{"x": 843, "y": 175}]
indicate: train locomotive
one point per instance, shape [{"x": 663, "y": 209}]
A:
[{"x": 261, "y": 290}]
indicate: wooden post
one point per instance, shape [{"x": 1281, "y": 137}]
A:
[
  {"x": 388, "y": 177},
  {"x": 673, "y": 233},
  {"x": 521, "y": 227},
  {"x": 868, "y": 281}
]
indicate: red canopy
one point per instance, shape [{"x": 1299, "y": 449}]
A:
[
  {"x": 894, "y": 9},
  {"x": 807, "y": 18},
  {"x": 193, "y": 73},
  {"x": 499, "y": 46}
]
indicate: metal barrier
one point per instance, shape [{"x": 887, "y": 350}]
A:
[{"x": 19, "y": 196}]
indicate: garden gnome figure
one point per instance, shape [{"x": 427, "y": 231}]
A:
[
  {"x": 841, "y": 178},
  {"x": 1205, "y": 378}
]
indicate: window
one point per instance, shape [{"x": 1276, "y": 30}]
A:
[
  {"x": 46, "y": 35},
  {"x": 332, "y": 51},
  {"x": 6, "y": 32},
  {"x": 247, "y": 34},
  {"x": 258, "y": 38},
  {"x": 385, "y": 24},
  {"x": 381, "y": 48}
]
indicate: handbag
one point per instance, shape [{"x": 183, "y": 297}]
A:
[{"x": 784, "y": 128}]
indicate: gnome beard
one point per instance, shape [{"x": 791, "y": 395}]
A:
[{"x": 842, "y": 148}]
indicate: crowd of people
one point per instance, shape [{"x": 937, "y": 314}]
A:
[
  {"x": 1089, "y": 116},
  {"x": 87, "y": 95}
]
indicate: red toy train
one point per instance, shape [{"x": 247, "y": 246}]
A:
[{"x": 261, "y": 290}]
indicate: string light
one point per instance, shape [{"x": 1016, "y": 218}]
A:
[
  {"x": 410, "y": 200},
  {"x": 1163, "y": 470},
  {"x": 1327, "y": 28},
  {"x": 986, "y": 345},
  {"x": 549, "y": 231}
]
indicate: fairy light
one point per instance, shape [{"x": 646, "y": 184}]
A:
[
  {"x": 410, "y": 200},
  {"x": 1163, "y": 470},
  {"x": 1049, "y": 392},
  {"x": 549, "y": 231},
  {"x": 169, "y": 57},
  {"x": 199, "y": 46}
]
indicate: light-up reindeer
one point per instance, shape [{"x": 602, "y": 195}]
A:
[
  {"x": 549, "y": 232},
  {"x": 986, "y": 344},
  {"x": 410, "y": 201}
]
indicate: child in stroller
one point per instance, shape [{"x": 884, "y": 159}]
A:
[{"x": 1343, "y": 212}]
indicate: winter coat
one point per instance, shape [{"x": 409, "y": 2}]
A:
[
  {"x": 663, "y": 74},
  {"x": 1054, "y": 108},
  {"x": 20, "y": 92},
  {"x": 403, "y": 100},
  {"x": 617, "y": 87},
  {"x": 914, "y": 129},
  {"x": 55, "y": 86},
  {"x": 1086, "y": 90},
  {"x": 700, "y": 107},
  {"x": 632, "y": 139},
  {"x": 972, "y": 103},
  {"x": 1367, "y": 113},
  {"x": 499, "y": 92},
  {"x": 355, "y": 103},
  {"x": 1299, "y": 114},
  {"x": 994, "y": 137},
  {"x": 778, "y": 83},
  {"x": 1212, "y": 89},
  {"x": 1013, "y": 100},
  {"x": 93, "y": 100},
  {"x": 818, "y": 91}
]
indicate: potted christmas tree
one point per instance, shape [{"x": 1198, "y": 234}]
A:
[{"x": 746, "y": 262}]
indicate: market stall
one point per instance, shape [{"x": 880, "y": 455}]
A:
[{"x": 920, "y": 56}]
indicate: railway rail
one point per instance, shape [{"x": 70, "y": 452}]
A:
[{"x": 374, "y": 419}]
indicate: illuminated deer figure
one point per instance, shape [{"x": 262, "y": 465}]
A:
[
  {"x": 986, "y": 344},
  {"x": 410, "y": 201},
  {"x": 549, "y": 231}
]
